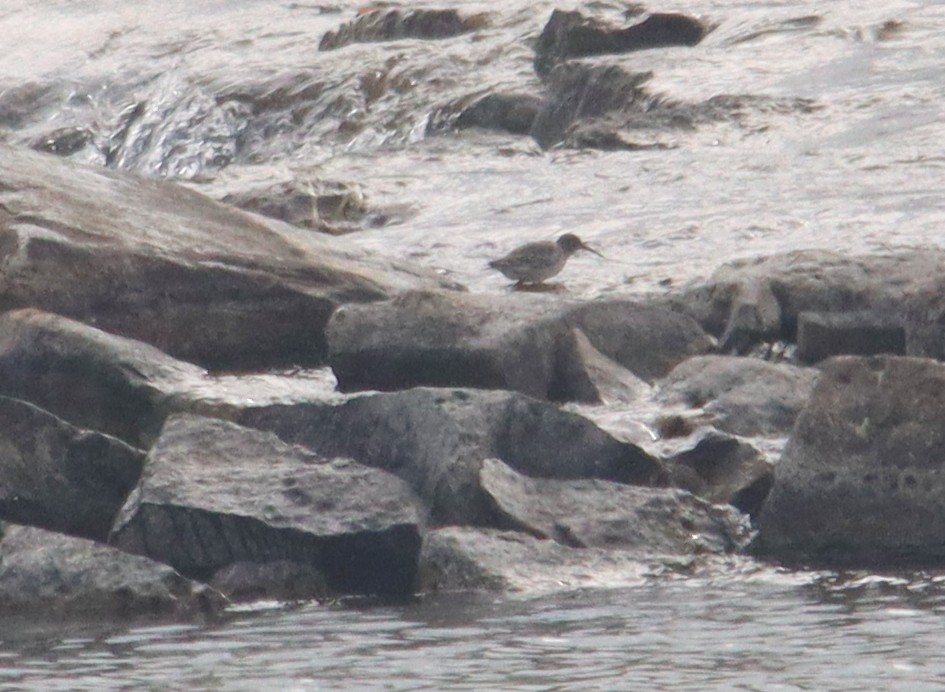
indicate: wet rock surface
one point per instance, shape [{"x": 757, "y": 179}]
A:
[
  {"x": 53, "y": 575},
  {"x": 436, "y": 439},
  {"x": 59, "y": 477},
  {"x": 392, "y": 25},
  {"x": 859, "y": 482},
  {"x": 523, "y": 343},
  {"x": 213, "y": 494},
  {"x": 159, "y": 263}
]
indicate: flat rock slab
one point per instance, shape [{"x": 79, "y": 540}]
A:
[
  {"x": 599, "y": 514},
  {"x": 743, "y": 396},
  {"x": 436, "y": 439},
  {"x": 213, "y": 494},
  {"x": 157, "y": 262},
  {"x": 59, "y": 477},
  {"x": 120, "y": 386},
  {"x": 50, "y": 575},
  {"x": 861, "y": 478},
  {"x": 525, "y": 343}
]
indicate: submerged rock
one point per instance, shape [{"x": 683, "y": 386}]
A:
[
  {"x": 861, "y": 479},
  {"x": 525, "y": 343},
  {"x": 436, "y": 439},
  {"x": 395, "y": 24},
  {"x": 157, "y": 262},
  {"x": 571, "y": 35},
  {"x": 214, "y": 494},
  {"x": 51, "y": 575},
  {"x": 59, "y": 477}
]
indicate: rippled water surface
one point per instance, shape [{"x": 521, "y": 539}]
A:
[{"x": 837, "y": 145}]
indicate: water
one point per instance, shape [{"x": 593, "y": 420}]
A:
[{"x": 836, "y": 145}]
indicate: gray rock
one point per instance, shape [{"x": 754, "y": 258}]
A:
[
  {"x": 860, "y": 481},
  {"x": 165, "y": 265},
  {"x": 392, "y": 25},
  {"x": 58, "y": 477},
  {"x": 743, "y": 396},
  {"x": 436, "y": 439},
  {"x": 599, "y": 514},
  {"x": 119, "y": 386},
  {"x": 213, "y": 494},
  {"x": 571, "y": 34},
  {"x": 49, "y": 575},
  {"x": 520, "y": 342},
  {"x": 821, "y": 335},
  {"x": 280, "y": 580},
  {"x": 460, "y": 558}
]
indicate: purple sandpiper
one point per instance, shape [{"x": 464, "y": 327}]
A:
[{"x": 532, "y": 263}]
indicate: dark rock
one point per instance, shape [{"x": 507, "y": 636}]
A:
[
  {"x": 755, "y": 300},
  {"x": 393, "y": 25},
  {"x": 213, "y": 494},
  {"x": 571, "y": 34},
  {"x": 281, "y": 580},
  {"x": 514, "y": 113},
  {"x": 577, "y": 91},
  {"x": 860, "y": 480},
  {"x": 59, "y": 477},
  {"x": 165, "y": 265},
  {"x": 821, "y": 335},
  {"x": 723, "y": 470},
  {"x": 599, "y": 514},
  {"x": 525, "y": 343},
  {"x": 120, "y": 386},
  {"x": 458, "y": 558},
  {"x": 743, "y": 396},
  {"x": 51, "y": 575},
  {"x": 64, "y": 141},
  {"x": 436, "y": 441}
]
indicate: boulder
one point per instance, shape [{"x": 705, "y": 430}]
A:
[
  {"x": 520, "y": 342},
  {"x": 395, "y": 24},
  {"x": 513, "y": 113},
  {"x": 743, "y": 396},
  {"x": 59, "y": 477},
  {"x": 821, "y": 335},
  {"x": 154, "y": 261},
  {"x": 860, "y": 482},
  {"x": 461, "y": 559},
  {"x": 436, "y": 440},
  {"x": 120, "y": 386},
  {"x": 214, "y": 494},
  {"x": 760, "y": 299},
  {"x": 49, "y": 575},
  {"x": 571, "y": 35},
  {"x": 599, "y": 514}
]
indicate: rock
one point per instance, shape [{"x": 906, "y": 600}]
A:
[
  {"x": 577, "y": 91},
  {"x": 58, "y": 477},
  {"x": 860, "y": 480},
  {"x": 459, "y": 558},
  {"x": 571, "y": 35},
  {"x": 436, "y": 439},
  {"x": 821, "y": 335},
  {"x": 600, "y": 514},
  {"x": 46, "y": 574},
  {"x": 280, "y": 580},
  {"x": 520, "y": 342},
  {"x": 753, "y": 300},
  {"x": 119, "y": 386},
  {"x": 154, "y": 261},
  {"x": 513, "y": 113},
  {"x": 213, "y": 494},
  {"x": 723, "y": 470},
  {"x": 393, "y": 25},
  {"x": 742, "y": 396}
]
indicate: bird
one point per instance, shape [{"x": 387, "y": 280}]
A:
[{"x": 532, "y": 263}]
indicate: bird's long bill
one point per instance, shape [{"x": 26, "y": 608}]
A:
[{"x": 590, "y": 249}]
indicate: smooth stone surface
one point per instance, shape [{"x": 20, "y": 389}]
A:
[
  {"x": 59, "y": 477},
  {"x": 742, "y": 396},
  {"x": 860, "y": 482},
  {"x": 525, "y": 343},
  {"x": 213, "y": 494},
  {"x": 824, "y": 334},
  {"x": 436, "y": 439},
  {"x": 50, "y": 575},
  {"x": 160, "y": 263},
  {"x": 599, "y": 514}
]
